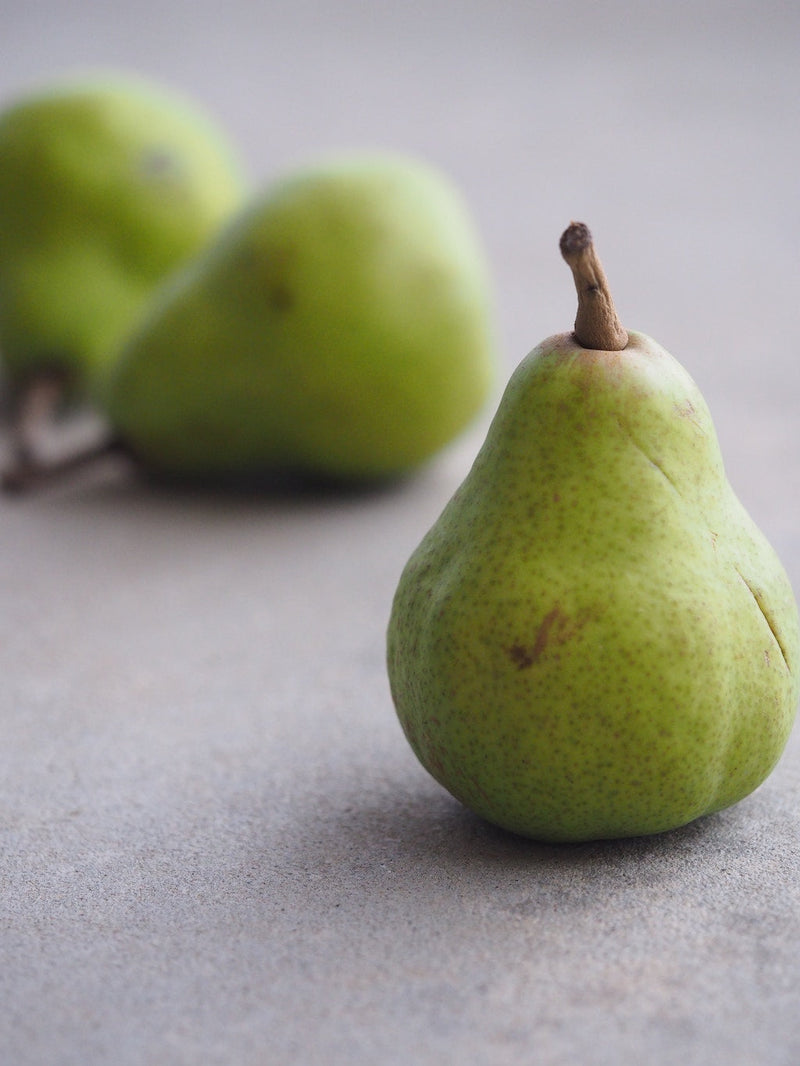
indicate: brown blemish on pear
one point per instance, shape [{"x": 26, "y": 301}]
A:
[
  {"x": 525, "y": 657},
  {"x": 555, "y": 629}
]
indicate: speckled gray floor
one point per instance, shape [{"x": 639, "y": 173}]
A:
[{"x": 215, "y": 844}]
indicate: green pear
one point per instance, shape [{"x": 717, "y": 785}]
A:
[
  {"x": 107, "y": 184},
  {"x": 339, "y": 327},
  {"x": 594, "y": 640}
]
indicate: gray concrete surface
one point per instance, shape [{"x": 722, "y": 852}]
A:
[{"x": 215, "y": 844}]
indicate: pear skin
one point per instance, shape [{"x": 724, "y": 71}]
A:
[
  {"x": 107, "y": 184},
  {"x": 595, "y": 640},
  {"x": 340, "y": 327}
]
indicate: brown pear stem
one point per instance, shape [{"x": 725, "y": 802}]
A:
[
  {"x": 596, "y": 324},
  {"x": 26, "y": 475},
  {"x": 35, "y": 406}
]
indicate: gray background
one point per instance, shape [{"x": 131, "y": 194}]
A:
[{"x": 216, "y": 846}]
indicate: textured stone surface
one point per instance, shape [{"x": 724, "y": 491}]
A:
[{"x": 215, "y": 845}]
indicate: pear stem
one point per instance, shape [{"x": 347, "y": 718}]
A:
[
  {"x": 596, "y": 324},
  {"x": 27, "y": 474},
  {"x": 34, "y": 409}
]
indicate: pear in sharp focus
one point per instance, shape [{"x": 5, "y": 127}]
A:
[{"x": 594, "y": 640}]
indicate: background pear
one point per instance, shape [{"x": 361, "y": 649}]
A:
[
  {"x": 594, "y": 640},
  {"x": 107, "y": 183},
  {"x": 339, "y": 327}
]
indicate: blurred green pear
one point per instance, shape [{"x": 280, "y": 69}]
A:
[
  {"x": 339, "y": 327},
  {"x": 107, "y": 184}
]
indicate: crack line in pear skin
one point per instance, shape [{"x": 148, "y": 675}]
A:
[
  {"x": 773, "y": 629},
  {"x": 651, "y": 460},
  {"x": 661, "y": 470}
]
